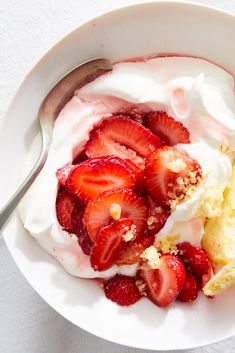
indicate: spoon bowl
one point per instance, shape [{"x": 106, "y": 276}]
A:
[{"x": 49, "y": 110}]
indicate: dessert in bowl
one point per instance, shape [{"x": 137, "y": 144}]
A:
[
  {"x": 195, "y": 98},
  {"x": 135, "y": 177}
]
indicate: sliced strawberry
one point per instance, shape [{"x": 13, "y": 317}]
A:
[
  {"x": 122, "y": 290},
  {"x": 169, "y": 174},
  {"x": 138, "y": 175},
  {"x": 136, "y": 172},
  {"x": 65, "y": 205},
  {"x": 166, "y": 128},
  {"x": 195, "y": 259},
  {"x": 122, "y": 137},
  {"x": 80, "y": 230},
  {"x": 110, "y": 243},
  {"x": 62, "y": 173},
  {"x": 157, "y": 216},
  {"x": 164, "y": 284},
  {"x": 69, "y": 214},
  {"x": 133, "y": 114},
  {"x": 97, "y": 212},
  {"x": 85, "y": 243},
  {"x": 81, "y": 157},
  {"x": 96, "y": 175},
  {"x": 190, "y": 289},
  {"x": 132, "y": 254},
  {"x": 177, "y": 265},
  {"x": 77, "y": 216}
]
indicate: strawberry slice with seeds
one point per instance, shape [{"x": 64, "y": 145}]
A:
[
  {"x": 97, "y": 213},
  {"x": 80, "y": 230},
  {"x": 157, "y": 216},
  {"x": 122, "y": 290},
  {"x": 164, "y": 284},
  {"x": 135, "y": 171},
  {"x": 77, "y": 215},
  {"x": 190, "y": 289},
  {"x": 132, "y": 254},
  {"x": 62, "y": 173},
  {"x": 110, "y": 242},
  {"x": 138, "y": 175},
  {"x": 166, "y": 128},
  {"x": 69, "y": 214},
  {"x": 96, "y": 175},
  {"x": 65, "y": 205},
  {"x": 195, "y": 259},
  {"x": 170, "y": 174},
  {"x": 124, "y": 138}
]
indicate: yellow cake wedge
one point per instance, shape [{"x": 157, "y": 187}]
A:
[
  {"x": 219, "y": 236},
  {"x": 224, "y": 279}
]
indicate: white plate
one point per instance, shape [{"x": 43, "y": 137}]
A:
[{"x": 158, "y": 27}]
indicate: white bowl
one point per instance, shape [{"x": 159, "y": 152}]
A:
[{"x": 135, "y": 31}]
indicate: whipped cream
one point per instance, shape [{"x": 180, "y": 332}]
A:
[{"x": 193, "y": 91}]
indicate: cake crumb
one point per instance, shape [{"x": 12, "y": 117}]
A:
[
  {"x": 151, "y": 220},
  {"x": 158, "y": 209},
  {"x": 224, "y": 148},
  {"x": 141, "y": 285},
  {"x": 115, "y": 211},
  {"x": 129, "y": 235},
  {"x": 184, "y": 188},
  {"x": 167, "y": 245},
  {"x": 177, "y": 165},
  {"x": 151, "y": 255}
]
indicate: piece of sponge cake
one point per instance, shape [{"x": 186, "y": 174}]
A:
[
  {"x": 224, "y": 279},
  {"x": 219, "y": 236},
  {"x": 219, "y": 242}
]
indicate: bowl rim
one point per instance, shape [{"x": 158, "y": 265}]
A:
[
  {"x": 104, "y": 14},
  {"x": 44, "y": 57}
]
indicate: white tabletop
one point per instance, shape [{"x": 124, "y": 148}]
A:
[{"x": 28, "y": 28}]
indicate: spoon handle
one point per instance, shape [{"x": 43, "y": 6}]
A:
[{"x": 7, "y": 210}]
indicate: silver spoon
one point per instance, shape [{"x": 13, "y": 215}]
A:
[{"x": 48, "y": 112}]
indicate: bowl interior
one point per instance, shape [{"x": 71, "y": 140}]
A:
[{"x": 153, "y": 28}]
